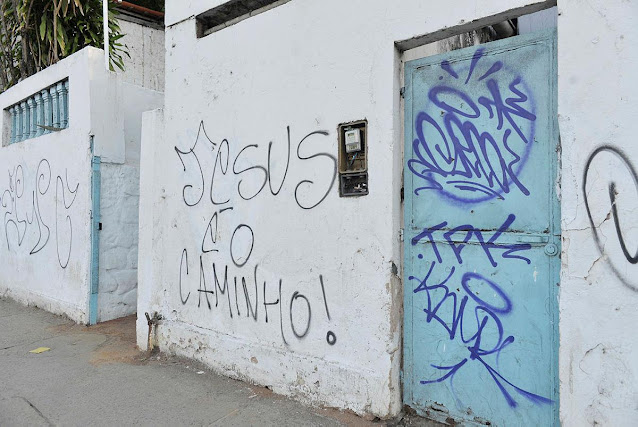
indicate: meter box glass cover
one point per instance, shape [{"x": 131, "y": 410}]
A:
[{"x": 353, "y": 140}]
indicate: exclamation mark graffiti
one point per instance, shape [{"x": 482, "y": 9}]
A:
[{"x": 330, "y": 336}]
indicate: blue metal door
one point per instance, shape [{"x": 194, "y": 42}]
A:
[{"x": 482, "y": 234}]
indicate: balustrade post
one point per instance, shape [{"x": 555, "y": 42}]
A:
[
  {"x": 39, "y": 113},
  {"x": 66, "y": 103},
  {"x": 13, "y": 124},
  {"x": 46, "y": 102},
  {"x": 62, "y": 104},
  {"x": 32, "y": 117},
  {"x": 25, "y": 120},
  {"x": 56, "y": 106},
  {"x": 18, "y": 113}
]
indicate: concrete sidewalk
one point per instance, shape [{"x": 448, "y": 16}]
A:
[{"x": 96, "y": 376}]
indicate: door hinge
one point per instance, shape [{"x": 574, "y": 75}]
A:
[
  {"x": 400, "y": 234},
  {"x": 402, "y": 92}
]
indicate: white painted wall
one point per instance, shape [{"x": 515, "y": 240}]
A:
[
  {"x": 45, "y": 172},
  {"x": 120, "y": 206},
  {"x": 150, "y": 298},
  {"x": 145, "y": 66},
  {"x": 541, "y": 20},
  {"x": 598, "y": 104},
  {"x": 118, "y": 241},
  {"x": 44, "y": 247},
  {"x": 248, "y": 84},
  {"x": 46, "y": 199}
]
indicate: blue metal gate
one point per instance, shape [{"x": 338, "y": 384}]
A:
[{"x": 482, "y": 234}]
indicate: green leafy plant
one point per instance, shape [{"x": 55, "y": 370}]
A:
[{"x": 37, "y": 33}]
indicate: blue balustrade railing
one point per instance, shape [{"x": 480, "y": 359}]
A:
[{"x": 43, "y": 112}]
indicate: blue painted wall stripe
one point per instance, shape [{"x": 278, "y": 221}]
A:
[{"x": 96, "y": 178}]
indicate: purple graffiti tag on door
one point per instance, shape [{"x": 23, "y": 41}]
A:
[{"x": 481, "y": 135}]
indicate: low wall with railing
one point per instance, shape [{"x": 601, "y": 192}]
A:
[
  {"x": 55, "y": 126},
  {"x": 45, "y": 184}
]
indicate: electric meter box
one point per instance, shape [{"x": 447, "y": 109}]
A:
[
  {"x": 353, "y": 140},
  {"x": 353, "y": 158}
]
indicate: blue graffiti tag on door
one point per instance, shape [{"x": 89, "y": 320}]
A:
[{"x": 482, "y": 233}]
